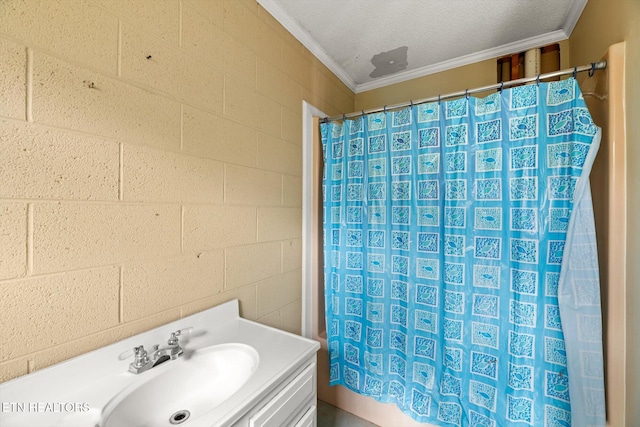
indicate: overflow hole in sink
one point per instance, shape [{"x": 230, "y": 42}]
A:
[{"x": 179, "y": 417}]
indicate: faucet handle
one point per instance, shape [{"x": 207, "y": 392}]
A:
[
  {"x": 136, "y": 351},
  {"x": 139, "y": 354},
  {"x": 184, "y": 331},
  {"x": 173, "y": 340},
  {"x": 126, "y": 354}
]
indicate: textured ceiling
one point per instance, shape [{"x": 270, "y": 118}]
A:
[{"x": 373, "y": 43}]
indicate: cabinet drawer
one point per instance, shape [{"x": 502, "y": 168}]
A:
[
  {"x": 287, "y": 402},
  {"x": 308, "y": 419}
]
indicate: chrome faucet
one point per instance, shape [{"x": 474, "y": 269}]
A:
[{"x": 143, "y": 361}]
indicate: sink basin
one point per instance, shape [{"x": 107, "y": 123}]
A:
[{"x": 187, "y": 388}]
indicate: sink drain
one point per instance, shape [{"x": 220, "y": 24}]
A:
[{"x": 179, "y": 417}]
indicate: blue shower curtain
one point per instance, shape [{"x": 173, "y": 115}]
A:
[{"x": 461, "y": 274}]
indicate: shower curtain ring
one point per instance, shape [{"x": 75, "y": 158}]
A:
[
  {"x": 592, "y": 70},
  {"x": 466, "y": 93},
  {"x": 575, "y": 72},
  {"x": 411, "y": 103},
  {"x": 501, "y": 87},
  {"x": 438, "y": 98},
  {"x": 538, "y": 80},
  {"x": 384, "y": 109}
]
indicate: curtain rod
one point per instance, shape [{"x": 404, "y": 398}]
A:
[{"x": 591, "y": 68}]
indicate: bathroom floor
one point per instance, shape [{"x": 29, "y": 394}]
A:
[{"x": 330, "y": 416}]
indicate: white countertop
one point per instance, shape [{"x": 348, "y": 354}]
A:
[{"x": 90, "y": 381}]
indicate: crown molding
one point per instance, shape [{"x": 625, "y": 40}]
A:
[
  {"x": 309, "y": 42},
  {"x": 573, "y": 16}
]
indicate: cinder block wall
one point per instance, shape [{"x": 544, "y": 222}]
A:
[{"x": 150, "y": 168}]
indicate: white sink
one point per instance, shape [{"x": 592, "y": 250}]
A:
[{"x": 186, "y": 389}]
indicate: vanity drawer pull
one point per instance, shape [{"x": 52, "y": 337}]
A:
[{"x": 287, "y": 402}]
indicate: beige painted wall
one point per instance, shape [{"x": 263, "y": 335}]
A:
[
  {"x": 603, "y": 23},
  {"x": 150, "y": 161}
]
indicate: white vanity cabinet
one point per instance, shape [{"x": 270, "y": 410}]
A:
[{"x": 291, "y": 403}]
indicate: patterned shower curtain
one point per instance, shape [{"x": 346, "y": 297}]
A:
[{"x": 461, "y": 274}]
